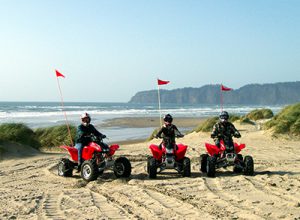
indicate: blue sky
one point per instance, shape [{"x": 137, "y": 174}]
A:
[{"x": 109, "y": 50}]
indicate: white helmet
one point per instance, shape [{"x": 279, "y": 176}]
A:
[{"x": 85, "y": 119}]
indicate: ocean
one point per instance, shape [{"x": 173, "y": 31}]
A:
[{"x": 44, "y": 114}]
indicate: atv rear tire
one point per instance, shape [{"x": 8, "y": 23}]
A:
[
  {"x": 65, "y": 167},
  {"x": 249, "y": 166},
  {"x": 186, "y": 167},
  {"x": 148, "y": 164},
  {"x": 152, "y": 168},
  {"x": 89, "y": 170},
  {"x": 122, "y": 167},
  {"x": 203, "y": 162},
  {"x": 237, "y": 169},
  {"x": 211, "y": 167}
]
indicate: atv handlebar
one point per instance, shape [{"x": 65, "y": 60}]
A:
[
  {"x": 95, "y": 138},
  {"x": 176, "y": 136}
]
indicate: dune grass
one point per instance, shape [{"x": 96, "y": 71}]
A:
[
  {"x": 287, "y": 121},
  {"x": 258, "y": 114},
  {"x": 42, "y": 137},
  {"x": 152, "y": 135},
  {"x": 246, "y": 120},
  {"x": 208, "y": 124},
  {"x": 55, "y": 136},
  {"x": 18, "y": 133}
]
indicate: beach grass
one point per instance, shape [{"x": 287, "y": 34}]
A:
[
  {"x": 41, "y": 138},
  {"x": 208, "y": 124},
  {"x": 18, "y": 133},
  {"x": 258, "y": 114},
  {"x": 287, "y": 121},
  {"x": 55, "y": 136},
  {"x": 246, "y": 120},
  {"x": 152, "y": 135}
]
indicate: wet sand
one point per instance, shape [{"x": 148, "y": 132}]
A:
[{"x": 144, "y": 122}]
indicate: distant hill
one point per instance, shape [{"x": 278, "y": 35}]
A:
[{"x": 255, "y": 94}]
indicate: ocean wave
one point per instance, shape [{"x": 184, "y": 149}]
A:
[{"x": 186, "y": 112}]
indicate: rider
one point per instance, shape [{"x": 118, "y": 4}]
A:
[
  {"x": 168, "y": 130},
  {"x": 83, "y": 136},
  {"x": 224, "y": 130}
]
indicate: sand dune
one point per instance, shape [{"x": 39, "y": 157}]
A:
[{"x": 31, "y": 189}]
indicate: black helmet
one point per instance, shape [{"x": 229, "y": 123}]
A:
[
  {"x": 224, "y": 116},
  {"x": 168, "y": 118}
]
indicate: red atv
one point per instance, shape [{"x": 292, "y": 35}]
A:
[
  {"x": 168, "y": 156},
  {"x": 226, "y": 155},
  {"x": 96, "y": 160}
]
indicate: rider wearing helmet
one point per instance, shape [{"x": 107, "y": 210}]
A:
[
  {"x": 168, "y": 130},
  {"x": 83, "y": 135},
  {"x": 224, "y": 130}
]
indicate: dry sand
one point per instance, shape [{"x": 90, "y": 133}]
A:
[{"x": 31, "y": 188}]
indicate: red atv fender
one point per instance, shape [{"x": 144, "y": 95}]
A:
[
  {"x": 180, "y": 152},
  {"x": 157, "y": 152},
  {"x": 238, "y": 147},
  {"x": 213, "y": 149},
  {"x": 89, "y": 150},
  {"x": 113, "y": 148}
]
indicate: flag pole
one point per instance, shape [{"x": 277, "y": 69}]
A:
[
  {"x": 65, "y": 114},
  {"x": 221, "y": 97},
  {"x": 159, "y": 109}
]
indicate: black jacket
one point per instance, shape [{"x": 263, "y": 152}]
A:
[
  {"x": 83, "y": 133},
  {"x": 224, "y": 131},
  {"x": 169, "y": 131}
]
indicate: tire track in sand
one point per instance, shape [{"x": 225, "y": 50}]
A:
[
  {"x": 149, "y": 204},
  {"x": 229, "y": 200}
]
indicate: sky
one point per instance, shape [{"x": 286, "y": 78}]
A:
[{"x": 109, "y": 50}]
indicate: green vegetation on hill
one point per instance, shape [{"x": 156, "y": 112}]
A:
[
  {"x": 18, "y": 133},
  {"x": 42, "y": 137},
  {"x": 208, "y": 124},
  {"x": 246, "y": 120},
  {"x": 152, "y": 136},
  {"x": 258, "y": 114},
  {"x": 55, "y": 136},
  {"x": 287, "y": 121}
]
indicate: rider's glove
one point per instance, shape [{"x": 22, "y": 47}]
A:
[{"x": 237, "y": 134}]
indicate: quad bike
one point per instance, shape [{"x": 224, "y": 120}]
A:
[
  {"x": 96, "y": 160},
  {"x": 168, "y": 156},
  {"x": 226, "y": 155}
]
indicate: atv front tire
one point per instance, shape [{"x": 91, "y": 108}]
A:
[
  {"x": 211, "y": 167},
  {"x": 203, "y": 162},
  {"x": 152, "y": 169},
  {"x": 65, "y": 167},
  {"x": 89, "y": 170},
  {"x": 239, "y": 169},
  {"x": 122, "y": 167},
  {"x": 186, "y": 167},
  {"x": 249, "y": 166}
]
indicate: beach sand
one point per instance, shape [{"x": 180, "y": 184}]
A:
[
  {"x": 31, "y": 189},
  {"x": 144, "y": 122}
]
